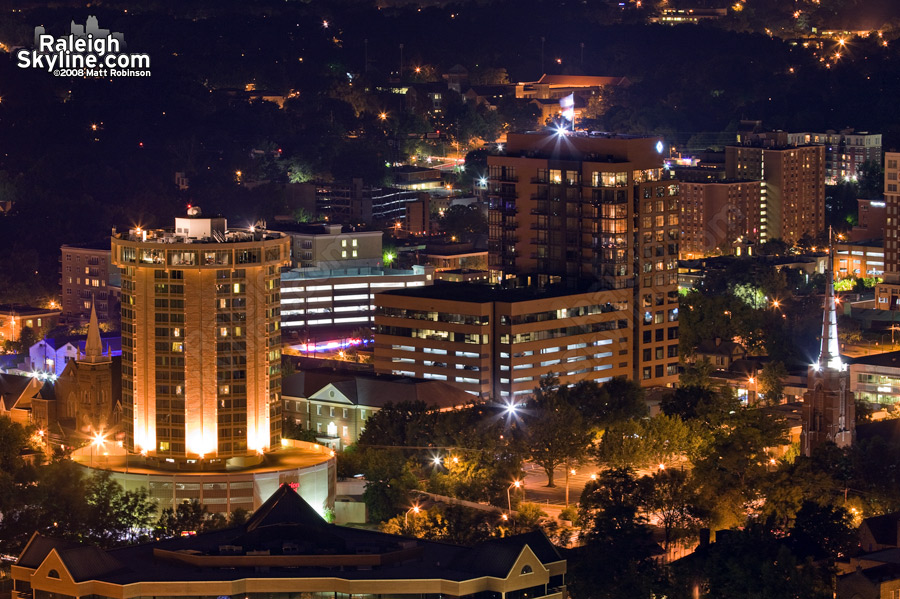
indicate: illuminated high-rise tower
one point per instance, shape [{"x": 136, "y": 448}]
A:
[{"x": 201, "y": 341}]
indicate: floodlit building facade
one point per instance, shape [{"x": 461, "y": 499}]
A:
[{"x": 201, "y": 339}]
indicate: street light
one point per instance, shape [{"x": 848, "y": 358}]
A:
[
  {"x": 97, "y": 441},
  {"x": 568, "y": 472},
  {"x": 516, "y": 484},
  {"x": 415, "y": 510}
]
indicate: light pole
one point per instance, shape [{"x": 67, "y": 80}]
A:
[
  {"x": 415, "y": 510},
  {"x": 568, "y": 472},
  {"x": 516, "y": 484}
]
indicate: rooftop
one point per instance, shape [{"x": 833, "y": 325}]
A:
[
  {"x": 23, "y": 310},
  {"x": 889, "y": 359},
  {"x": 168, "y": 236},
  {"x": 95, "y": 245},
  {"x": 288, "y": 538},
  {"x": 375, "y": 390},
  {"x": 482, "y": 294}
]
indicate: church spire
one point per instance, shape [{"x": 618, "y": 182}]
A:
[
  {"x": 93, "y": 346},
  {"x": 829, "y": 353}
]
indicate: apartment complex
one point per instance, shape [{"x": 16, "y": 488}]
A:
[
  {"x": 887, "y": 294},
  {"x": 792, "y": 196},
  {"x": 715, "y": 215},
  {"x": 845, "y": 151},
  {"x": 88, "y": 278},
  {"x": 201, "y": 339},
  {"x": 356, "y": 202},
  {"x": 599, "y": 208},
  {"x": 317, "y": 299},
  {"x": 498, "y": 343}
]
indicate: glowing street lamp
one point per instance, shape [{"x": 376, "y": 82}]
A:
[
  {"x": 98, "y": 440},
  {"x": 568, "y": 472},
  {"x": 415, "y": 510},
  {"x": 517, "y": 484}
]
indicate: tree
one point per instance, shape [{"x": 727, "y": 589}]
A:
[
  {"x": 771, "y": 382},
  {"x": 462, "y": 221},
  {"x": 648, "y": 442},
  {"x": 671, "y": 496},
  {"x": 871, "y": 179},
  {"x": 116, "y": 516},
  {"x": 389, "y": 480},
  {"x": 188, "y": 517},
  {"x": 616, "y": 560},
  {"x": 555, "y": 431},
  {"x": 749, "y": 563},
  {"x": 402, "y": 424},
  {"x": 823, "y": 530},
  {"x": 616, "y": 400}
]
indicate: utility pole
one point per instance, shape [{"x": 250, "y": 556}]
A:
[
  {"x": 401, "y": 61},
  {"x": 582, "y": 54}
]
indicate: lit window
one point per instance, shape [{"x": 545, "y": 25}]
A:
[{"x": 223, "y": 332}]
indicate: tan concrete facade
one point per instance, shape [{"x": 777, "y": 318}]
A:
[
  {"x": 201, "y": 342},
  {"x": 501, "y": 347},
  {"x": 793, "y": 193},
  {"x": 715, "y": 214}
]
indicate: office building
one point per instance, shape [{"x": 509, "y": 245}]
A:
[
  {"x": 862, "y": 259},
  {"x": 876, "y": 378},
  {"x": 887, "y": 294},
  {"x": 286, "y": 550},
  {"x": 314, "y": 300},
  {"x": 89, "y": 280},
  {"x": 792, "y": 198},
  {"x": 337, "y": 403},
  {"x": 201, "y": 339},
  {"x": 717, "y": 216},
  {"x": 498, "y": 343},
  {"x": 598, "y": 208}
]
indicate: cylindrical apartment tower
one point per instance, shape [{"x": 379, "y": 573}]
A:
[{"x": 201, "y": 341}]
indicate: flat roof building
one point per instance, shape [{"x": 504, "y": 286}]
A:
[
  {"x": 88, "y": 278},
  {"x": 201, "y": 339},
  {"x": 498, "y": 343},
  {"x": 596, "y": 207},
  {"x": 328, "y": 245},
  {"x": 342, "y": 298}
]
